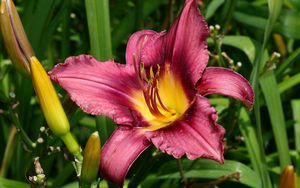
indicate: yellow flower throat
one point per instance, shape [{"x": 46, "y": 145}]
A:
[{"x": 163, "y": 100}]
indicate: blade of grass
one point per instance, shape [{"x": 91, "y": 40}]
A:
[
  {"x": 294, "y": 56},
  {"x": 289, "y": 83},
  {"x": 274, "y": 10},
  {"x": 296, "y": 117},
  {"x": 9, "y": 150},
  {"x": 212, "y": 8},
  {"x": 99, "y": 28},
  {"x": 296, "y": 111},
  {"x": 100, "y": 39},
  {"x": 6, "y": 183},
  {"x": 36, "y": 18},
  {"x": 288, "y": 24},
  {"x": 272, "y": 97},
  {"x": 227, "y": 13},
  {"x": 253, "y": 146},
  {"x": 208, "y": 169}
]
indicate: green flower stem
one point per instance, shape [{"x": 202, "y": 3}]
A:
[
  {"x": 73, "y": 148},
  {"x": 20, "y": 129},
  {"x": 72, "y": 145},
  {"x": 181, "y": 171},
  {"x": 9, "y": 149}
]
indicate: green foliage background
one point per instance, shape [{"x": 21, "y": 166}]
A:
[{"x": 259, "y": 144}]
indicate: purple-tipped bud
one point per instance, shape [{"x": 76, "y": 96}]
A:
[{"x": 14, "y": 36}]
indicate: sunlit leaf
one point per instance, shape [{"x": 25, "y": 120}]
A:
[
  {"x": 212, "y": 8},
  {"x": 243, "y": 43},
  {"x": 6, "y": 183},
  {"x": 208, "y": 169},
  {"x": 272, "y": 97}
]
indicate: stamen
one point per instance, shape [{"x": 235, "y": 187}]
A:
[
  {"x": 154, "y": 101},
  {"x": 146, "y": 96},
  {"x": 137, "y": 71},
  {"x": 160, "y": 101},
  {"x": 151, "y": 73},
  {"x": 151, "y": 94},
  {"x": 142, "y": 73}
]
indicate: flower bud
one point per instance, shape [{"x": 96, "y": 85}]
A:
[
  {"x": 48, "y": 98},
  {"x": 91, "y": 159},
  {"x": 14, "y": 36},
  {"x": 288, "y": 178},
  {"x": 52, "y": 109}
]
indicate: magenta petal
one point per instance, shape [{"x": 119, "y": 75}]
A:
[
  {"x": 226, "y": 82},
  {"x": 120, "y": 151},
  {"x": 184, "y": 46},
  {"x": 186, "y": 43},
  {"x": 99, "y": 88},
  {"x": 196, "y": 135},
  {"x": 145, "y": 47}
]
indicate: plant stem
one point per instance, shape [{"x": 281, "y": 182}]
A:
[
  {"x": 20, "y": 129},
  {"x": 9, "y": 149},
  {"x": 181, "y": 171}
]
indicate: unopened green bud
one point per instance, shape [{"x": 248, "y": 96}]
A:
[
  {"x": 14, "y": 36},
  {"x": 91, "y": 159},
  {"x": 52, "y": 109}
]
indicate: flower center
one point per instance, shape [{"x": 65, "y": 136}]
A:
[{"x": 162, "y": 100}]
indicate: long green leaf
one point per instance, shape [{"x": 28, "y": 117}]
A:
[
  {"x": 208, "y": 169},
  {"x": 288, "y": 83},
  {"x": 287, "y": 23},
  {"x": 274, "y": 11},
  {"x": 272, "y": 97},
  {"x": 257, "y": 158},
  {"x": 296, "y": 117},
  {"x": 99, "y": 28},
  {"x": 255, "y": 74},
  {"x": 243, "y": 43},
  {"x": 296, "y": 111},
  {"x": 100, "y": 39},
  {"x": 293, "y": 57},
  {"x": 212, "y": 8},
  {"x": 37, "y": 16},
  {"x": 6, "y": 183}
]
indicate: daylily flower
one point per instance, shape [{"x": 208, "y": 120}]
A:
[{"x": 158, "y": 97}]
